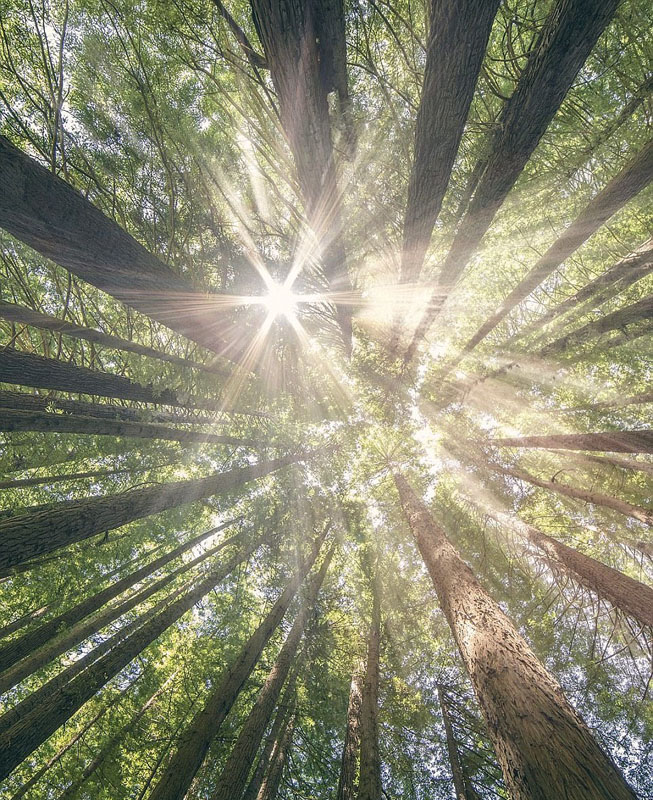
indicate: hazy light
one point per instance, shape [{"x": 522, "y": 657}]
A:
[{"x": 280, "y": 300}]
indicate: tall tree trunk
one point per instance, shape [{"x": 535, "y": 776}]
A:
[
  {"x": 232, "y": 780},
  {"x": 369, "y": 783},
  {"x": 351, "y": 746},
  {"x": 22, "y": 621},
  {"x": 458, "y": 36},
  {"x": 545, "y": 749},
  {"x": 586, "y": 496},
  {"x": 462, "y": 786},
  {"x": 11, "y": 420},
  {"x": 77, "y": 633},
  {"x": 634, "y": 177},
  {"x": 609, "y": 442},
  {"x": 288, "y": 31},
  {"x": 272, "y": 780},
  {"x": 28, "y": 316},
  {"x": 627, "y": 594},
  {"x": 563, "y": 45},
  {"x": 21, "y": 483},
  {"x": 30, "y": 534},
  {"x": 196, "y": 740},
  {"x": 37, "y": 717},
  {"x": 52, "y": 217}
]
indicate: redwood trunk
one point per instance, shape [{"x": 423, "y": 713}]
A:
[
  {"x": 196, "y": 740},
  {"x": 462, "y": 787},
  {"x": 30, "y": 534},
  {"x": 609, "y": 442},
  {"x": 369, "y": 784},
  {"x": 272, "y": 780},
  {"x": 545, "y": 749},
  {"x": 281, "y": 719},
  {"x": 351, "y": 746}
]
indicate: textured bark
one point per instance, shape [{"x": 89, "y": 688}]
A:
[
  {"x": 462, "y": 787},
  {"x": 22, "y": 401},
  {"x": 54, "y": 219},
  {"x": 618, "y": 320},
  {"x": 20, "y": 663},
  {"x": 627, "y": 184},
  {"x": 627, "y": 594},
  {"x": 351, "y": 746},
  {"x": 24, "y": 536},
  {"x": 21, "y": 483},
  {"x": 11, "y": 421},
  {"x": 36, "y": 319},
  {"x": 196, "y": 740},
  {"x": 609, "y": 442},
  {"x": 281, "y": 719},
  {"x": 458, "y": 36},
  {"x": 369, "y": 783},
  {"x": 288, "y": 31},
  {"x": 33, "y": 720},
  {"x": 233, "y": 778},
  {"x": 586, "y": 496},
  {"x": 543, "y": 746},
  {"x": 563, "y": 45},
  {"x": 272, "y": 780}
]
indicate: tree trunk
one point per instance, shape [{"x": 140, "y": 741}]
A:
[
  {"x": 272, "y": 780},
  {"x": 458, "y": 36},
  {"x": 288, "y": 31},
  {"x": 77, "y": 633},
  {"x": 196, "y": 740},
  {"x": 609, "y": 442},
  {"x": 635, "y": 176},
  {"x": 545, "y": 749},
  {"x": 596, "y": 498},
  {"x": 22, "y": 483},
  {"x": 351, "y": 746},
  {"x": 54, "y": 219},
  {"x": 564, "y": 43},
  {"x": 37, "y": 717},
  {"x": 233, "y": 779},
  {"x": 30, "y": 534},
  {"x": 284, "y": 712},
  {"x": 627, "y": 594},
  {"x": 369, "y": 783},
  {"x": 462, "y": 787},
  {"x": 22, "y": 621},
  {"x": 11, "y": 420},
  {"x": 36, "y": 319}
]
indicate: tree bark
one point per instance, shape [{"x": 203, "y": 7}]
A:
[
  {"x": 369, "y": 783},
  {"x": 458, "y": 36},
  {"x": 609, "y": 442},
  {"x": 22, "y": 621},
  {"x": 564, "y": 43},
  {"x": 462, "y": 787},
  {"x": 545, "y": 749},
  {"x": 284, "y": 712},
  {"x": 351, "y": 746},
  {"x": 37, "y": 717},
  {"x": 77, "y": 633},
  {"x": 595, "y": 498},
  {"x": 54, "y": 219},
  {"x": 22, "y": 483},
  {"x": 11, "y": 421},
  {"x": 272, "y": 780},
  {"x": 627, "y": 594},
  {"x": 36, "y": 319},
  {"x": 24, "y": 536},
  {"x": 232, "y": 781},
  {"x": 196, "y": 740}
]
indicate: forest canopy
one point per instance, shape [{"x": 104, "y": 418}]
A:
[{"x": 325, "y": 400}]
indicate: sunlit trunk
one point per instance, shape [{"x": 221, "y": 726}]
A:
[
  {"x": 351, "y": 746},
  {"x": 369, "y": 783}
]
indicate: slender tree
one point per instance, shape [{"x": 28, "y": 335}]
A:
[
  {"x": 272, "y": 779},
  {"x": 351, "y": 746},
  {"x": 639, "y": 441},
  {"x": 285, "y": 711},
  {"x": 463, "y": 787},
  {"x": 545, "y": 749},
  {"x": 369, "y": 784}
]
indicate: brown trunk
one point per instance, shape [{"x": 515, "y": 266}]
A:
[
  {"x": 272, "y": 780},
  {"x": 627, "y": 594},
  {"x": 30, "y": 534},
  {"x": 458, "y": 36},
  {"x": 50, "y": 216},
  {"x": 609, "y": 442},
  {"x": 545, "y": 749},
  {"x": 462, "y": 787},
  {"x": 563, "y": 45},
  {"x": 28, "y": 316},
  {"x": 33, "y": 720},
  {"x": 22, "y": 621},
  {"x": 369, "y": 783},
  {"x": 281, "y": 719},
  {"x": 22, "y": 483},
  {"x": 196, "y": 740},
  {"x": 11, "y": 420},
  {"x": 351, "y": 746},
  {"x": 66, "y": 638},
  {"x": 233, "y": 778},
  {"x": 604, "y": 500}
]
